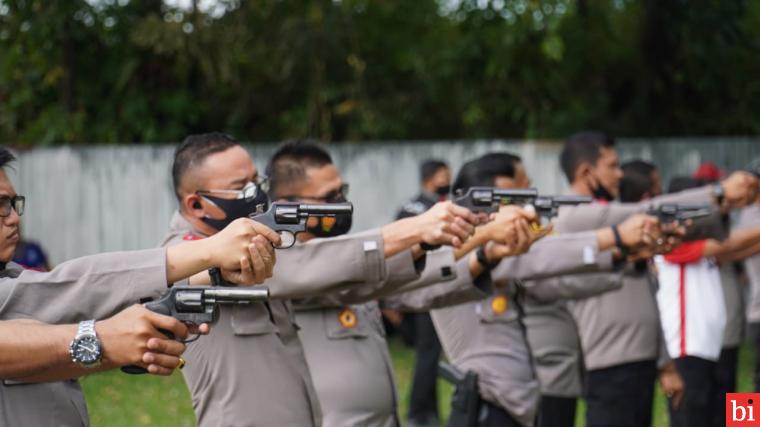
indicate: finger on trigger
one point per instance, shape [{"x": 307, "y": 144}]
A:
[
  {"x": 159, "y": 321},
  {"x": 267, "y": 232}
]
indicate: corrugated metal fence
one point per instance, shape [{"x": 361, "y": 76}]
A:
[{"x": 93, "y": 199}]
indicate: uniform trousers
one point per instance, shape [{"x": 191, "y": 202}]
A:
[
  {"x": 697, "y": 406},
  {"x": 423, "y": 405},
  {"x": 621, "y": 396},
  {"x": 490, "y": 416},
  {"x": 556, "y": 411},
  {"x": 725, "y": 382}
]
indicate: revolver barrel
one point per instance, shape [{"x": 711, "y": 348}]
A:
[{"x": 231, "y": 295}]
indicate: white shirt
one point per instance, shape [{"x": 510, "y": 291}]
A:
[{"x": 692, "y": 310}]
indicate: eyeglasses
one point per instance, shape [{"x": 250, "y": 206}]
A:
[
  {"x": 248, "y": 192},
  {"x": 15, "y": 202},
  {"x": 340, "y": 193}
]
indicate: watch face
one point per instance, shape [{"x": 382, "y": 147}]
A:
[{"x": 86, "y": 350}]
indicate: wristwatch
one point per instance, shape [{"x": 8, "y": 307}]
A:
[
  {"x": 86, "y": 350},
  {"x": 480, "y": 256}
]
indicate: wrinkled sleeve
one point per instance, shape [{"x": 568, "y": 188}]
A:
[
  {"x": 322, "y": 266},
  {"x": 460, "y": 288},
  {"x": 93, "y": 287},
  {"x": 570, "y": 253}
]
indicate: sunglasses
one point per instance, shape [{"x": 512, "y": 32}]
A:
[{"x": 340, "y": 193}]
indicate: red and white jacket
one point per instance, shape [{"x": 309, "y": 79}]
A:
[{"x": 690, "y": 298}]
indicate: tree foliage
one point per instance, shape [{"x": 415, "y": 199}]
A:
[{"x": 111, "y": 71}]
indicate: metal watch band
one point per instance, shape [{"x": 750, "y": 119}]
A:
[
  {"x": 719, "y": 193},
  {"x": 86, "y": 327}
]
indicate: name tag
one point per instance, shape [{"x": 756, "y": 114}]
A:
[{"x": 589, "y": 257}]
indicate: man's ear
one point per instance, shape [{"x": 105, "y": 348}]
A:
[
  {"x": 191, "y": 203},
  {"x": 584, "y": 173}
]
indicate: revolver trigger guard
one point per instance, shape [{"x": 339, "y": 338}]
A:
[
  {"x": 291, "y": 238},
  {"x": 191, "y": 339}
]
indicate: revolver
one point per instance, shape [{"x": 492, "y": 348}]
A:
[
  {"x": 194, "y": 305},
  {"x": 488, "y": 199},
  {"x": 674, "y": 212},
  {"x": 289, "y": 218},
  {"x": 547, "y": 207}
]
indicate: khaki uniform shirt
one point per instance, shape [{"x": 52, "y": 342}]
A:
[
  {"x": 94, "y": 287},
  {"x": 486, "y": 337},
  {"x": 552, "y": 330},
  {"x": 252, "y": 371},
  {"x": 345, "y": 345}
]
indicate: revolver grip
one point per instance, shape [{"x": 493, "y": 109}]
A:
[{"x": 160, "y": 306}]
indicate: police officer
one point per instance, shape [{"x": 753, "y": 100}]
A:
[
  {"x": 591, "y": 165},
  {"x": 331, "y": 330},
  {"x": 258, "y": 352},
  {"x": 488, "y": 336},
  {"x": 423, "y": 403},
  {"x": 92, "y": 287}
]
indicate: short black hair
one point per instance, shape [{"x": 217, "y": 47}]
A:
[
  {"x": 582, "y": 147},
  {"x": 6, "y": 157},
  {"x": 637, "y": 180},
  {"x": 484, "y": 170},
  {"x": 681, "y": 183},
  {"x": 430, "y": 167},
  {"x": 754, "y": 167},
  {"x": 290, "y": 161},
  {"x": 194, "y": 150}
]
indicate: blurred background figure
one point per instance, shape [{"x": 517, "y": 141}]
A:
[
  {"x": 708, "y": 172},
  {"x": 725, "y": 373},
  {"x": 30, "y": 255},
  {"x": 435, "y": 176},
  {"x": 749, "y": 217}
]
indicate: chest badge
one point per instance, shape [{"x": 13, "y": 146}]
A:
[
  {"x": 347, "y": 318},
  {"x": 499, "y": 304}
]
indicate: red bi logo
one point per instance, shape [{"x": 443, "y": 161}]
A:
[{"x": 742, "y": 409}]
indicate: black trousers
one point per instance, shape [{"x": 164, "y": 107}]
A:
[
  {"x": 423, "y": 404},
  {"x": 621, "y": 396},
  {"x": 556, "y": 411},
  {"x": 697, "y": 406},
  {"x": 491, "y": 416},
  {"x": 725, "y": 382}
]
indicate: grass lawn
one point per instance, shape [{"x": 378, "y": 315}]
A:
[{"x": 116, "y": 399}]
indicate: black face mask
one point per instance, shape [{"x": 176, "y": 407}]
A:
[
  {"x": 443, "y": 190},
  {"x": 332, "y": 227},
  {"x": 601, "y": 193},
  {"x": 237, "y": 208}
]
